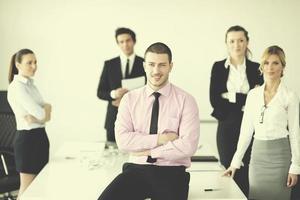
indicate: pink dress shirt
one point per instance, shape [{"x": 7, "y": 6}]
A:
[{"x": 178, "y": 112}]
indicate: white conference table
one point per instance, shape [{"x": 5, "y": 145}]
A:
[{"x": 83, "y": 170}]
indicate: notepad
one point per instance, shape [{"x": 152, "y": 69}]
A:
[
  {"x": 204, "y": 159},
  {"x": 133, "y": 83}
]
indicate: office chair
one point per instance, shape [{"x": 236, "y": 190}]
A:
[
  {"x": 4, "y": 105},
  {"x": 9, "y": 177}
]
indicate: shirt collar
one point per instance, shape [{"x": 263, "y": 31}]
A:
[
  {"x": 23, "y": 79},
  {"x": 165, "y": 91},
  {"x": 124, "y": 57},
  {"x": 228, "y": 63},
  {"x": 280, "y": 89},
  {"x": 281, "y": 85}
]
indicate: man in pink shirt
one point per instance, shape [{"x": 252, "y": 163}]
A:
[{"x": 158, "y": 125}]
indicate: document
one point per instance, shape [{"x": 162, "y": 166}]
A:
[{"x": 133, "y": 83}]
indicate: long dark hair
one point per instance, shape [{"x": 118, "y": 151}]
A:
[
  {"x": 239, "y": 28},
  {"x": 17, "y": 57}
]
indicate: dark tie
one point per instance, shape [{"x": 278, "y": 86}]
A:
[
  {"x": 154, "y": 120},
  {"x": 127, "y": 69}
]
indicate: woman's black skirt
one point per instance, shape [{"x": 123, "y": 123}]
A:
[{"x": 31, "y": 150}]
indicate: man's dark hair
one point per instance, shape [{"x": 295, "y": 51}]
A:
[
  {"x": 123, "y": 30},
  {"x": 159, "y": 48}
]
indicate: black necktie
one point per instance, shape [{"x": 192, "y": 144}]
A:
[
  {"x": 154, "y": 120},
  {"x": 127, "y": 69}
]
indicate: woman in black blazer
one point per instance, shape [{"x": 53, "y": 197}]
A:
[{"x": 231, "y": 79}]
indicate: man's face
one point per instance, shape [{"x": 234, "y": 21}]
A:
[
  {"x": 126, "y": 43},
  {"x": 157, "y": 68}
]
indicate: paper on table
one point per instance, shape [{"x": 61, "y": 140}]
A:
[{"x": 133, "y": 83}]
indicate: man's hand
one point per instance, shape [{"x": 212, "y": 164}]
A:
[
  {"x": 164, "y": 138},
  {"x": 116, "y": 102},
  {"x": 120, "y": 92}
]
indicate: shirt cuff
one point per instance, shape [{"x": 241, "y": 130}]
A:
[
  {"x": 236, "y": 163},
  {"x": 232, "y": 97},
  {"x": 152, "y": 141},
  {"x": 224, "y": 95},
  {"x": 113, "y": 94},
  {"x": 243, "y": 108},
  {"x": 294, "y": 169},
  {"x": 39, "y": 113}
]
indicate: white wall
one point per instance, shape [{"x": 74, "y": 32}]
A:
[{"x": 72, "y": 38}]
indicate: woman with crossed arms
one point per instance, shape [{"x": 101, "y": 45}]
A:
[
  {"x": 231, "y": 80},
  {"x": 31, "y": 147}
]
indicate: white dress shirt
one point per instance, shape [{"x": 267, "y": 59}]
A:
[
  {"x": 278, "y": 119},
  {"x": 25, "y": 99},
  {"x": 124, "y": 62},
  {"x": 237, "y": 80},
  {"x": 124, "y": 58}
]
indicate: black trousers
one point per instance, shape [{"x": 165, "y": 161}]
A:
[
  {"x": 228, "y": 132},
  {"x": 296, "y": 191},
  {"x": 138, "y": 182},
  {"x": 110, "y": 135}
]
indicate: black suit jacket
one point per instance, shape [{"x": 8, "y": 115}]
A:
[
  {"x": 111, "y": 79},
  {"x": 218, "y": 82}
]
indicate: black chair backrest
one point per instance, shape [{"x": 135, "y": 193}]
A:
[
  {"x": 7, "y": 131},
  {"x": 7, "y": 137},
  {"x": 4, "y": 105},
  {"x": 7, "y": 124}
]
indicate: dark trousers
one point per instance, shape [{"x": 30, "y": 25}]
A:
[
  {"x": 296, "y": 191},
  {"x": 110, "y": 135},
  {"x": 227, "y": 138},
  {"x": 138, "y": 182}
]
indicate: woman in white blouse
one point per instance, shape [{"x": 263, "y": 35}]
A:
[
  {"x": 31, "y": 144},
  {"x": 272, "y": 111}
]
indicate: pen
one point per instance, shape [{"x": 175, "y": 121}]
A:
[{"x": 210, "y": 189}]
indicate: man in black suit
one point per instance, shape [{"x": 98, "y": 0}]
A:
[{"x": 127, "y": 65}]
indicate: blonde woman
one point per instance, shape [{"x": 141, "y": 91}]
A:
[{"x": 272, "y": 111}]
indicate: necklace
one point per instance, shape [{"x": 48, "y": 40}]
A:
[{"x": 269, "y": 94}]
